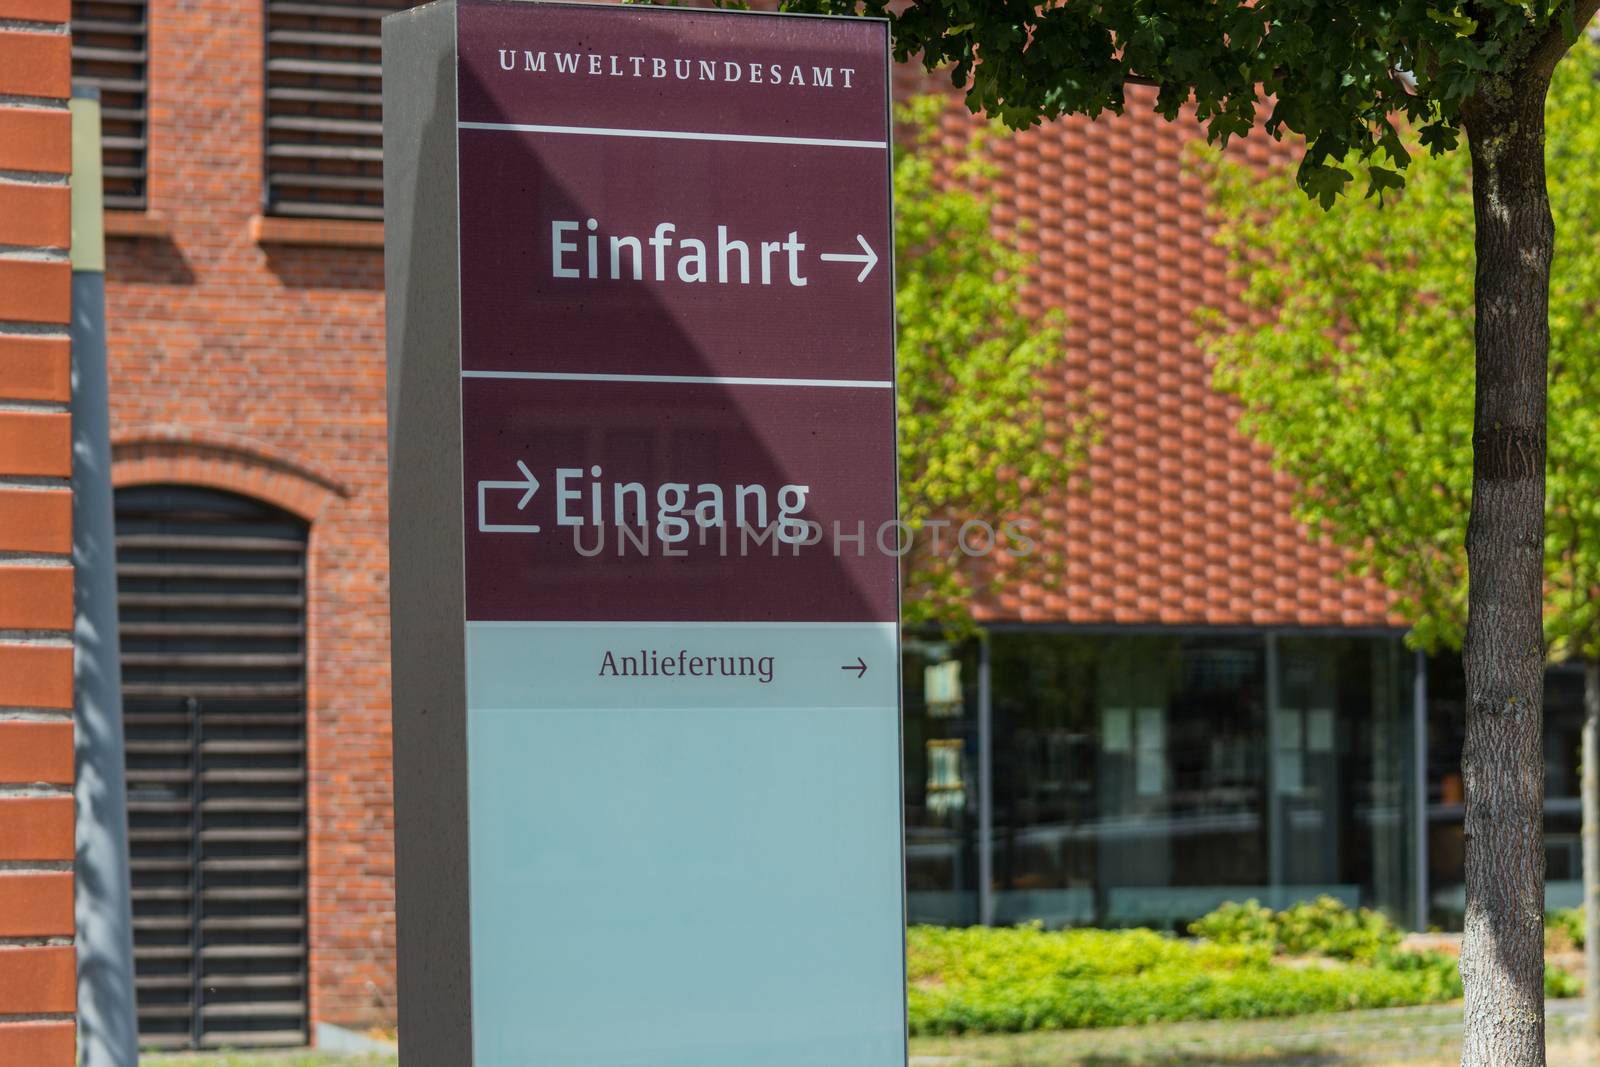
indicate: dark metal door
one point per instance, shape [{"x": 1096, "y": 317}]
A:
[{"x": 211, "y": 591}]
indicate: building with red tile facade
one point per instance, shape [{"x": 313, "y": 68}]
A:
[
  {"x": 1184, "y": 522},
  {"x": 1196, "y": 703}
]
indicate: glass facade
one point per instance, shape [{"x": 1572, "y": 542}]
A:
[
  {"x": 1142, "y": 779},
  {"x": 1563, "y": 727},
  {"x": 940, "y": 689},
  {"x": 1145, "y": 779},
  {"x": 1344, "y": 735},
  {"x": 1080, "y": 778}
]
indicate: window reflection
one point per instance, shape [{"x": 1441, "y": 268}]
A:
[
  {"x": 1144, "y": 779},
  {"x": 940, "y": 684},
  {"x": 1563, "y": 728}
]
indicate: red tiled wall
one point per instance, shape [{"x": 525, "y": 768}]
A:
[
  {"x": 258, "y": 368},
  {"x": 1184, "y": 521},
  {"x": 38, "y": 982}
]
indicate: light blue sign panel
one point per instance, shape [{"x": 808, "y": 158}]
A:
[{"x": 727, "y": 871}]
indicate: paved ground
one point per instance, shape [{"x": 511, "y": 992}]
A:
[
  {"x": 265, "y": 1059},
  {"x": 1403, "y": 1037}
]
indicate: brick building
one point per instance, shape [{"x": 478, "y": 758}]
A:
[
  {"x": 38, "y": 986},
  {"x": 246, "y": 361},
  {"x": 1196, "y": 704}
]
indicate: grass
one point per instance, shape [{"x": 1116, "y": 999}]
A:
[{"x": 1413, "y": 1037}]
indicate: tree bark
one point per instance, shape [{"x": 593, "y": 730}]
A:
[
  {"x": 1502, "y": 959},
  {"x": 1591, "y": 844}
]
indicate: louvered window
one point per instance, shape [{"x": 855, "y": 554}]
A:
[
  {"x": 109, "y": 52},
  {"x": 211, "y": 592},
  {"x": 324, "y": 109}
]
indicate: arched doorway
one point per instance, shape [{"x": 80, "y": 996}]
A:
[{"x": 212, "y": 602}]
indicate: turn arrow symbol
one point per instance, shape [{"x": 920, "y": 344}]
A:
[
  {"x": 859, "y": 666},
  {"x": 867, "y": 261},
  {"x": 528, "y": 484}
]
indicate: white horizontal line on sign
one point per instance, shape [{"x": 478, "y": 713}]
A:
[
  {"x": 687, "y": 379},
  {"x": 670, "y": 135}
]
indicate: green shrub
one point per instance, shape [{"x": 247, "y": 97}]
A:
[
  {"x": 1028, "y": 979},
  {"x": 1250, "y": 923},
  {"x": 1324, "y": 927},
  {"x": 1559, "y": 983},
  {"x": 1567, "y": 922}
]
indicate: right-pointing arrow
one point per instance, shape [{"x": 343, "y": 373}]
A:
[
  {"x": 532, "y": 483},
  {"x": 867, "y": 261},
  {"x": 859, "y": 666}
]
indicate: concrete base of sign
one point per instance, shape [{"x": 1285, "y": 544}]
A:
[{"x": 331, "y": 1038}]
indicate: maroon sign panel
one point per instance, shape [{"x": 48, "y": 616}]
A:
[{"x": 677, "y": 325}]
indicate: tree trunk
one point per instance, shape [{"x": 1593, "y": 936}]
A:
[
  {"x": 1591, "y": 844},
  {"x": 1502, "y": 959}
]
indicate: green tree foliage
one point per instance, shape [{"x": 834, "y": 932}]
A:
[
  {"x": 1353, "y": 357},
  {"x": 1343, "y": 75},
  {"x": 974, "y": 437},
  {"x": 1354, "y": 360}
]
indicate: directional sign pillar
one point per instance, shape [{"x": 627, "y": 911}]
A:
[{"x": 643, "y": 536}]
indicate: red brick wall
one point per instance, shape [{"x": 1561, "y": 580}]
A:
[
  {"x": 258, "y": 368},
  {"x": 38, "y": 982}
]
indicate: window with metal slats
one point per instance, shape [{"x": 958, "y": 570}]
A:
[
  {"x": 110, "y": 52},
  {"x": 325, "y": 108},
  {"x": 211, "y": 595}
]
